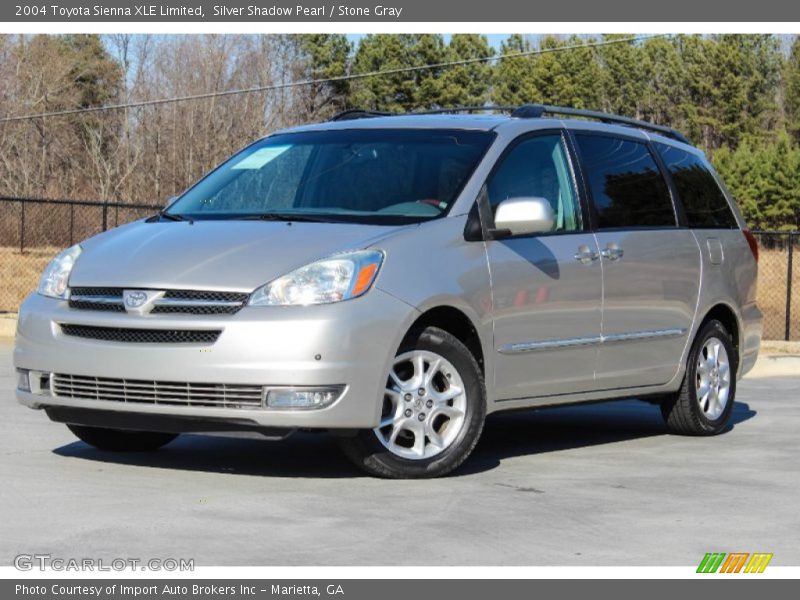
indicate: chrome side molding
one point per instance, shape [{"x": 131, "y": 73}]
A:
[{"x": 536, "y": 346}]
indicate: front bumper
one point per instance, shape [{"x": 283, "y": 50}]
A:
[{"x": 350, "y": 343}]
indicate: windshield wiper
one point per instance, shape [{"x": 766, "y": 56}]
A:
[
  {"x": 284, "y": 217},
  {"x": 163, "y": 214}
]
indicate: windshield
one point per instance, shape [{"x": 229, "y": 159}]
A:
[{"x": 373, "y": 176}]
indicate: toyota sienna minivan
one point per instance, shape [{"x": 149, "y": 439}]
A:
[{"x": 395, "y": 279}]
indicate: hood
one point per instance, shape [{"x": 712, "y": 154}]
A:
[{"x": 212, "y": 255}]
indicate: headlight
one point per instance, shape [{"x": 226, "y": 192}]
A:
[
  {"x": 340, "y": 277},
  {"x": 55, "y": 279}
]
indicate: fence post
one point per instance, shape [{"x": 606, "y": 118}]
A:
[
  {"x": 789, "y": 270},
  {"x": 22, "y": 228},
  {"x": 105, "y": 215},
  {"x": 71, "y": 224}
]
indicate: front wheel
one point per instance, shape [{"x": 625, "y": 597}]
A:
[
  {"x": 119, "y": 440},
  {"x": 704, "y": 403},
  {"x": 433, "y": 409}
]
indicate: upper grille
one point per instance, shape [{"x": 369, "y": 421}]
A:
[
  {"x": 193, "y": 302},
  {"x": 157, "y": 392},
  {"x": 142, "y": 336}
]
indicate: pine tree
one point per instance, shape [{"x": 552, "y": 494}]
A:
[
  {"x": 792, "y": 90},
  {"x": 466, "y": 85},
  {"x": 322, "y": 56},
  {"x": 625, "y": 70},
  {"x": 512, "y": 84},
  {"x": 404, "y": 91}
]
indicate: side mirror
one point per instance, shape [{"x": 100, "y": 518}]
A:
[{"x": 522, "y": 216}]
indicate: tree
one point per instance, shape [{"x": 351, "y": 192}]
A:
[
  {"x": 466, "y": 85},
  {"x": 765, "y": 180},
  {"x": 401, "y": 91},
  {"x": 625, "y": 71},
  {"x": 792, "y": 89},
  {"x": 664, "y": 89},
  {"x": 322, "y": 56},
  {"x": 732, "y": 83},
  {"x": 511, "y": 77}
]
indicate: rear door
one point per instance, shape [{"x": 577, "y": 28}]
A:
[
  {"x": 546, "y": 288},
  {"x": 651, "y": 266}
]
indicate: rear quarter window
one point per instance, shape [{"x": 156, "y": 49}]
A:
[{"x": 704, "y": 203}]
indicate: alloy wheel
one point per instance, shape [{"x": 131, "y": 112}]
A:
[
  {"x": 713, "y": 378},
  {"x": 424, "y": 407}
]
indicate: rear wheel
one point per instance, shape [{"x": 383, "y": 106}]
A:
[
  {"x": 704, "y": 403},
  {"x": 432, "y": 415},
  {"x": 119, "y": 440}
]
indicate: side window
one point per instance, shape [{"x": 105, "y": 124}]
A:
[
  {"x": 703, "y": 201},
  {"x": 627, "y": 187},
  {"x": 538, "y": 167}
]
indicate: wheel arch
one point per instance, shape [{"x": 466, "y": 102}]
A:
[
  {"x": 726, "y": 315},
  {"x": 456, "y": 322}
]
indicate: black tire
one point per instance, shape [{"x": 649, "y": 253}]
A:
[
  {"x": 367, "y": 452},
  {"x": 119, "y": 440},
  {"x": 682, "y": 411}
]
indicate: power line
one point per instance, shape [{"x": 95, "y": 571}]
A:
[{"x": 349, "y": 77}]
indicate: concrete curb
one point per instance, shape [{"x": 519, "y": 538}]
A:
[
  {"x": 776, "y": 365},
  {"x": 8, "y": 325}
]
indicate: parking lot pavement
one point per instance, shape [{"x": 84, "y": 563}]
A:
[{"x": 598, "y": 484}]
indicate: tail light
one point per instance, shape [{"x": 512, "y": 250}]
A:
[{"x": 752, "y": 242}]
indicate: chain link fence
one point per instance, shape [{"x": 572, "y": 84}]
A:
[
  {"x": 779, "y": 283},
  {"x": 33, "y": 230}
]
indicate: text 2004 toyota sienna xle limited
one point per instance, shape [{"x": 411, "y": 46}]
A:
[{"x": 394, "y": 279}]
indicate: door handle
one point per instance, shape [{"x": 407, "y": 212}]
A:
[
  {"x": 585, "y": 255},
  {"x": 612, "y": 252}
]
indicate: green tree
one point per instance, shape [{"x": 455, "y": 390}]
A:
[
  {"x": 403, "y": 91},
  {"x": 732, "y": 83},
  {"x": 792, "y": 89},
  {"x": 512, "y": 83},
  {"x": 466, "y": 85},
  {"x": 765, "y": 180},
  {"x": 322, "y": 56},
  {"x": 664, "y": 87},
  {"x": 567, "y": 76},
  {"x": 625, "y": 71}
]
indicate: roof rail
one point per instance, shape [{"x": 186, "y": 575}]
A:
[
  {"x": 526, "y": 111},
  {"x": 535, "y": 111},
  {"x": 358, "y": 113}
]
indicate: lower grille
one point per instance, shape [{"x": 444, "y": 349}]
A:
[
  {"x": 142, "y": 336},
  {"x": 172, "y": 393}
]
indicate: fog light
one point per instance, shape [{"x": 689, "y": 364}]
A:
[
  {"x": 303, "y": 397},
  {"x": 23, "y": 381}
]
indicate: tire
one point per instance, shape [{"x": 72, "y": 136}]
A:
[
  {"x": 427, "y": 427},
  {"x": 704, "y": 403},
  {"x": 118, "y": 440}
]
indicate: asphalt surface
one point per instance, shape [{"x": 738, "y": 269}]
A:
[{"x": 598, "y": 484}]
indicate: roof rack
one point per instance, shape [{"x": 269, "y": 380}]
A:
[
  {"x": 535, "y": 111},
  {"x": 526, "y": 111},
  {"x": 358, "y": 113}
]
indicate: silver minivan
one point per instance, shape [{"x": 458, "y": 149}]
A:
[{"x": 394, "y": 279}]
